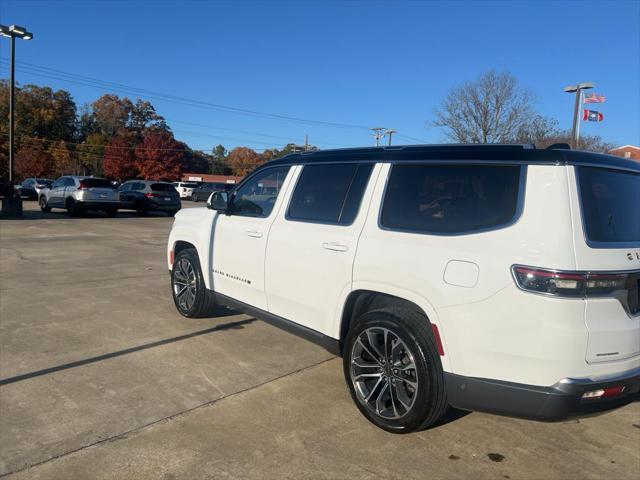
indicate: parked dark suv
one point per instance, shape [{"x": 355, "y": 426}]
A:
[
  {"x": 204, "y": 191},
  {"x": 30, "y": 188},
  {"x": 145, "y": 196}
]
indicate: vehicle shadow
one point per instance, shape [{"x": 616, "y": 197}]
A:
[
  {"x": 239, "y": 324},
  {"x": 33, "y": 214}
]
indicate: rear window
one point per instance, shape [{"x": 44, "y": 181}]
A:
[
  {"x": 610, "y": 202},
  {"x": 96, "y": 183},
  {"x": 190, "y": 185},
  {"x": 163, "y": 187},
  {"x": 450, "y": 199}
]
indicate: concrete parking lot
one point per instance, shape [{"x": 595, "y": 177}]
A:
[{"x": 100, "y": 378}]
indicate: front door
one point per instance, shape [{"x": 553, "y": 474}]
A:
[
  {"x": 240, "y": 238},
  {"x": 312, "y": 246}
]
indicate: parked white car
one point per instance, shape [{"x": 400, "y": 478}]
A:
[
  {"x": 497, "y": 278},
  {"x": 78, "y": 194},
  {"x": 185, "y": 189}
]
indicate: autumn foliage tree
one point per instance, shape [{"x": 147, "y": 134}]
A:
[
  {"x": 119, "y": 161},
  {"x": 160, "y": 156},
  {"x": 243, "y": 160},
  {"x": 33, "y": 160},
  {"x": 64, "y": 162}
]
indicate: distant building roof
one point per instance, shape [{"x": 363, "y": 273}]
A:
[{"x": 626, "y": 151}]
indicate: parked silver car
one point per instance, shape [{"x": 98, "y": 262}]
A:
[{"x": 78, "y": 194}]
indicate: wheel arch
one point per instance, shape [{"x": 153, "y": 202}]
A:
[{"x": 365, "y": 300}]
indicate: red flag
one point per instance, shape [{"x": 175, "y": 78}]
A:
[{"x": 592, "y": 116}]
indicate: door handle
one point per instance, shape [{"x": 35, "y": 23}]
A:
[
  {"x": 254, "y": 233},
  {"x": 336, "y": 247}
]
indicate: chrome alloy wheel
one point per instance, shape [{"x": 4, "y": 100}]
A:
[
  {"x": 184, "y": 284},
  {"x": 383, "y": 373}
]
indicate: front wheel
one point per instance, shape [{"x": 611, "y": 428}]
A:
[
  {"x": 190, "y": 294},
  {"x": 393, "y": 370},
  {"x": 44, "y": 205}
]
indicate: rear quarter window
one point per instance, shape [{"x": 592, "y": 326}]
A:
[
  {"x": 96, "y": 183},
  {"x": 450, "y": 199},
  {"x": 162, "y": 187},
  {"x": 610, "y": 201}
]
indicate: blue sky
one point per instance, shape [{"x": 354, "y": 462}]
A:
[{"x": 360, "y": 63}]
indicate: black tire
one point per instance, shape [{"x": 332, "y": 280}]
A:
[
  {"x": 428, "y": 402},
  {"x": 111, "y": 212},
  {"x": 194, "y": 198},
  {"x": 73, "y": 209},
  {"x": 142, "y": 209},
  {"x": 203, "y": 303},
  {"x": 44, "y": 206}
]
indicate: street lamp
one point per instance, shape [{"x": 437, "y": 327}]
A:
[
  {"x": 577, "y": 89},
  {"x": 11, "y": 202}
]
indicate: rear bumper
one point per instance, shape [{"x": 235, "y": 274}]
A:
[
  {"x": 99, "y": 205},
  {"x": 557, "y": 402}
]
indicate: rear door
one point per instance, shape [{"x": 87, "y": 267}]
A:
[
  {"x": 312, "y": 243},
  {"x": 56, "y": 193},
  {"x": 606, "y": 229}
]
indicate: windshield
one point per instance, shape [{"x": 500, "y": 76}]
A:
[{"x": 610, "y": 200}]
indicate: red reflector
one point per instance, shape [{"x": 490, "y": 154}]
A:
[
  {"x": 436, "y": 335},
  {"x": 171, "y": 257},
  {"x": 613, "y": 391}
]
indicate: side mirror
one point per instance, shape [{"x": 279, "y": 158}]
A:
[{"x": 218, "y": 201}]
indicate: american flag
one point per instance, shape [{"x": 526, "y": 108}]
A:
[{"x": 594, "y": 98}]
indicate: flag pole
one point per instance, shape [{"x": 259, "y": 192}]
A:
[{"x": 577, "y": 127}]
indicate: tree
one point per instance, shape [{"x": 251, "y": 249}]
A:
[
  {"x": 111, "y": 114},
  {"x": 218, "y": 161},
  {"x": 543, "y": 132},
  {"x": 119, "y": 161},
  {"x": 243, "y": 160},
  {"x": 91, "y": 153},
  {"x": 143, "y": 116},
  {"x": 160, "y": 156},
  {"x": 64, "y": 161},
  {"x": 32, "y": 160},
  {"x": 493, "y": 109},
  {"x": 40, "y": 112}
]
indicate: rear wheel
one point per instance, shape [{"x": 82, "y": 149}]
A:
[
  {"x": 142, "y": 209},
  {"x": 43, "y": 204},
  {"x": 73, "y": 209},
  {"x": 111, "y": 212},
  {"x": 393, "y": 370},
  {"x": 190, "y": 295}
]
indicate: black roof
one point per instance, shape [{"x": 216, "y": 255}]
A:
[{"x": 486, "y": 153}]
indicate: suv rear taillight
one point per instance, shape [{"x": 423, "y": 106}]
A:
[
  {"x": 151, "y": 195},
  {"x": 560, "y": 283},
  {"x": 83, "y": 185}
]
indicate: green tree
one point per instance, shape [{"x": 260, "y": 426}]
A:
[{"x": 111, "y": 114}]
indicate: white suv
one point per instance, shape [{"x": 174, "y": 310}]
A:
[
  {"x": 496, "y": 278},
  {"x": 185, "y": 189},
  {"x": 78, "y": 194}
]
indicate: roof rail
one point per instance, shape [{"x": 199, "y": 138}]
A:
[{"x": 559, "y": 146}]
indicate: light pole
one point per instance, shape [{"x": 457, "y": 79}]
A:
[
  {"x": 390, "y": 132},
  {"x": 577, "y": 89},
  {"x": 11, "y": 202}
]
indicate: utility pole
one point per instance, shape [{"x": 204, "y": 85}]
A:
[
  {"x": 12, "y": 205},
  {"x": 390, "y": 132},
  {"x": 575, "y": 130},
  {"x": 378, "y": 133},
  {"x": 306, "y": 143}
]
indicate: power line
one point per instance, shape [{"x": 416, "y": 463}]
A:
[{"x": 48, "y": 72}]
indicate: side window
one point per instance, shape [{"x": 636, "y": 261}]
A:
[
  {"x": 450, "y": 199},
  {"x": 257, "y": 196},
  {"x": 69, "y": 182},
  {"x": 58, "y": 183},
  {"x": 329, "y": 193}
]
